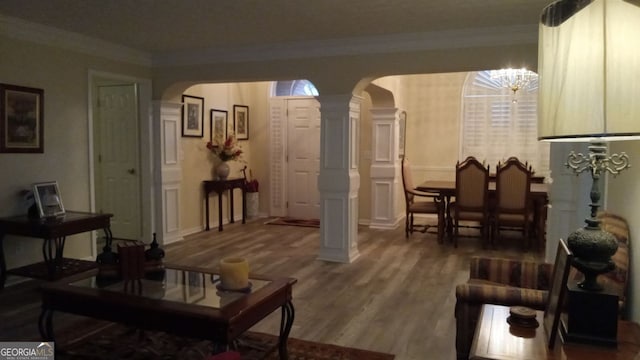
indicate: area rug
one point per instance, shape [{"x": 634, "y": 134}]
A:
[
  {"x": 116, "y": 341},
  {"x": 294, "y": 222}
]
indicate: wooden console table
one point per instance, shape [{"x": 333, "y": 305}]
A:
[
  {"x": 495, "y": 339},
  {"x": 53, "y": 231},
  {"x": 220, "y": 186}
]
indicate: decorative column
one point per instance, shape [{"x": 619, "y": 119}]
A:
[
  {"x": 167, "y": 173},
  {"x": 385, "y": 169},
  {"x": 339, "y": 180}
]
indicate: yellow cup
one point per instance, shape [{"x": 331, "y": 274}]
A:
[{"x": 234, "y": 273}]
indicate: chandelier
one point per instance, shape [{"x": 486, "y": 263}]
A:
[{"x": 513, "y": 79}]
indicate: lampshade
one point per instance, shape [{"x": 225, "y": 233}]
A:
[{"x": 589, "y": 70}]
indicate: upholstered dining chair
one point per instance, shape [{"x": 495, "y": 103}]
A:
[
  {"x": 471, "y": 197},
  {"x": 432, "y": 205},
  {"x": 512, "y": 208}
]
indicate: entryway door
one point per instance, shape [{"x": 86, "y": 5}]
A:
[
  {"x": 117, "y": 164},
  {"x": 295, "y": 157},
  {"x": 303, "y": 150}
]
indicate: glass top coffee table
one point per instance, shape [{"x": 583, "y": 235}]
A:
[{"x": 181, "y": 300}]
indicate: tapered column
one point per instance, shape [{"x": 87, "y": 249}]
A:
[
  {"x": 385, "y": 169},
  {"x": 339, "y": 180},
  {"x": 167, "y": 171}
]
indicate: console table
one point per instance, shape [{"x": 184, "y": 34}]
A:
[
  {"x": 219, "y": 187},
  {"x": 53, "y": 231},
  {"x": 495, "y": 339}
]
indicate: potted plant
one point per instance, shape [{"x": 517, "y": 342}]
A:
[
  {"x": 251, "y": 187},
  {"x": 227, "y": 151}
]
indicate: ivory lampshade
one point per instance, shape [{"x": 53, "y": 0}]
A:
[{"x": 589, "y": 70}]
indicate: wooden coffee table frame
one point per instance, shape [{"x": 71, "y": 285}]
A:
[{"x": 221, "y": 326}]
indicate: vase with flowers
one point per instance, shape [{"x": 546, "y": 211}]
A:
[{"x": 227, "y": 151}]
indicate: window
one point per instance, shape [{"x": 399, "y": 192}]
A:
[
  {"x": 496, "y": 124},
  {"x": 295, "y": 88}
]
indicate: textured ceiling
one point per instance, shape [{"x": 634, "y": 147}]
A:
[{"x": 161, "y": 26}]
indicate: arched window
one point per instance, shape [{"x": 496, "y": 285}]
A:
[
  {"x": 295, "y": 88},
  {"x": 497, "y": 124}
]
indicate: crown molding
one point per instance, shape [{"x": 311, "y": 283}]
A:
[
  {"x": 46, "y": 35},
  {"x": 411, "y": 42},
  {"x": 385, "y": 44}
]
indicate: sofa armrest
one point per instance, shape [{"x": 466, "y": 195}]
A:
[
  {"x": 501, "y": 295},
  {"x": 516, "y": 273}
]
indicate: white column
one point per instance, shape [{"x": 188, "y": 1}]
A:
[
  {"x": 167, "y": 171},
  {"x": 339, "y": 180},
  {"x": 385, "y": 169}
]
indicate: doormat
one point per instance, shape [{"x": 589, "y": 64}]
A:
[{"x": 294, "y": 222}]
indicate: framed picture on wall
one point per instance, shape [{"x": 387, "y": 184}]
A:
[
  {"x": 218, "y": 127},
  {"x": 402, "y": 133},
  {"x": 241, "y": 121},
  {"x": 192, "y": 116},
  {"x": 48, "y": 199},
  {"x": 22, "y": 127}
]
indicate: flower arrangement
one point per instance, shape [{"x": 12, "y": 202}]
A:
[{"x": 229, "y": 150}]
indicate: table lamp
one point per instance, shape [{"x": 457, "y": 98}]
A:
[{"x": 589, "y": 67}]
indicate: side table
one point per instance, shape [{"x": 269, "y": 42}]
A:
[
  {"x": 53, "y": 231},
  {"x": 495, "y": 339},
  {"x": 219, "y": 187}
]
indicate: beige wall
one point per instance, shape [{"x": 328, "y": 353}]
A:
[
  {"x": 198, "y": 162},
  {"x": 64, "y": 77}
]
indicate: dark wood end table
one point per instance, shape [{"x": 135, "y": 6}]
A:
[
  {"x": 219, "y": 187},
  {"x": 53, "y": 231},
  {"x": 495, "y": 339}
]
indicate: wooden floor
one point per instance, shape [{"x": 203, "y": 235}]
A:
[{"x": 397, "y": 297}]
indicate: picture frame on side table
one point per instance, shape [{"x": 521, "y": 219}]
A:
[
  {"x": 218, "y": 126},
  {"x": 557, "y": 292},
  {"x": 192, "y": 116},
  {"x": 241, "y": 121},
  {"x": 48, "y": 199},
  {"x": 22, "y": 124}
]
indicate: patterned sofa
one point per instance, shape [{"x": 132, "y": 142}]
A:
[{"x": 513, "y": 282}]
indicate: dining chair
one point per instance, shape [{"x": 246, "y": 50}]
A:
[
  {"x": 471, "y": 197},
  {"x": 433, "y": 204},
  {"x": 512, "y": 208}
]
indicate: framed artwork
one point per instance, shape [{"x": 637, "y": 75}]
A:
[
  {"x": 557, "y": 291},
  {"x": 241, "y": 122},
  {"x": 218, "y": 127},
  {"x": 402, "y": 133},
  {"x": 48, "y": 199},
  {"x": 194, "y": 287},
  {"x": 22, "y": 128},
  {"x": 192, "y": 116}
]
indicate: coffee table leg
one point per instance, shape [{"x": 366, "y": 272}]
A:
[
  {"x": 45, "y": 324},
  {"x": 286, "y": 322}
]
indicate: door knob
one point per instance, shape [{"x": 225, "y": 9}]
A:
[{"x": 131, "y": 171}]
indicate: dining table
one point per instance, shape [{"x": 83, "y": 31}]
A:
[{"x": 539, "y": 199}]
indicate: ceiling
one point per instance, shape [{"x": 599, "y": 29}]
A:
[{"x": 170, "y": 26}]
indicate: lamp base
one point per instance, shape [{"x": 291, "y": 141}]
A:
[{"x": 592, "y": 317}]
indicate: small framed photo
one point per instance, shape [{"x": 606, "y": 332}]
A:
[
  {"x": 192, "y": 116},
  {"x": 21, "y": 128},
  {"x": 48, "y": 199},
  {"x": 218, "y": 128},
  {"x": 241, "y": 122}
]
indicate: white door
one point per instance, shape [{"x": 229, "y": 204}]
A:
[
  {"x": 117, "y": 159},
  {"x": 303, "y": 152}
]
